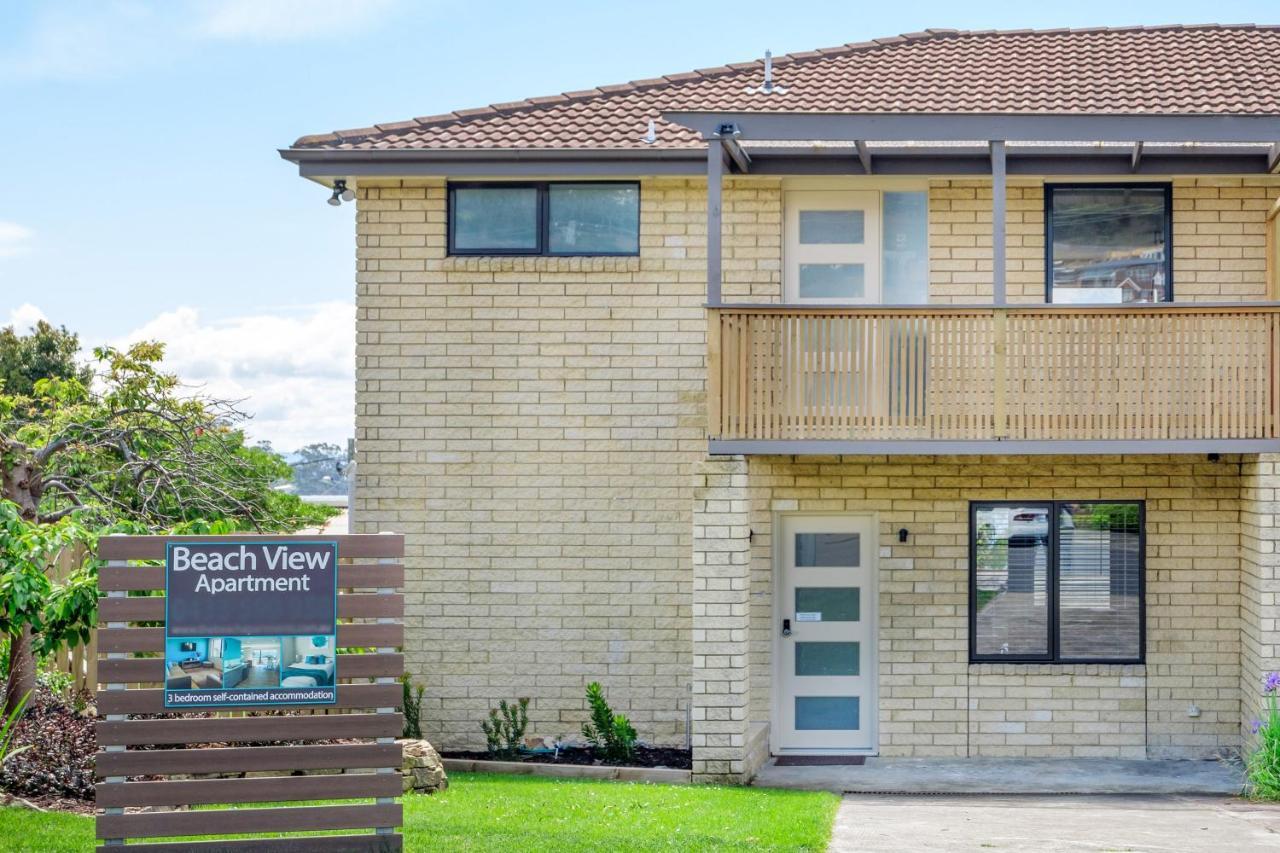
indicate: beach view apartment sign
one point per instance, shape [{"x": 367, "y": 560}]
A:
[{"x": 250, "y": 623}]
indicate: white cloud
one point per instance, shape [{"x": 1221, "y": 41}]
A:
[
  {"x": 81, "y": 39},
  {"x": 293, "y": 370},
  {"x": 15, "y": 239},
  {"x": 287, "y": 20},
  {"x": 24, "y": 317},
  {"x": 85, "y": 39}
]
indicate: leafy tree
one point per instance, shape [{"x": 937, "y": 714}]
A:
[
  {"x": 44, "y": 353},
  {"x": 32, "y": 606},
  {"x": 134, "y": 446},
  {"x": 320, "y": 469},
  {"x": 129, "y": 449}
]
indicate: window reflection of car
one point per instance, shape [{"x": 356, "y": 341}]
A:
[{"x": 1029, "y": 527}]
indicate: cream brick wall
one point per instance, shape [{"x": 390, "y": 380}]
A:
[
  {"x": 1218, "y": 239},
  {"x": 1259, "y": 584},
  {"x": 932, "y": 702},
  {"x": 532, "y": 425},
  {"x": 721, "y": 590}
]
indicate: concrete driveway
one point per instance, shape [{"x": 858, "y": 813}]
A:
[{"x": 1152, "y": 824}]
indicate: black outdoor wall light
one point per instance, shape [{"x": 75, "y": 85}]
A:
[
  {"x": 903, "y": 533},
  {"x": 341, "y": 193}
]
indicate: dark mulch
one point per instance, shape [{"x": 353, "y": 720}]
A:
[
  {"x": 645, "y": 756},
  {"x": 59, "y": 763}
]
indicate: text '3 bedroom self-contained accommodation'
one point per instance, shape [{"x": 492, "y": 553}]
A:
[{"x": 918, "y": 397}]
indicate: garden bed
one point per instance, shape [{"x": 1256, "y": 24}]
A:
[
  {"x": 645, "y": 756},
  {"x": 649, "y": 764}
]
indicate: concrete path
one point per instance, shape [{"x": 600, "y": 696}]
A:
[
  {"x": 1038, "y": 824},
  {"x": 1011, "y": 776}
]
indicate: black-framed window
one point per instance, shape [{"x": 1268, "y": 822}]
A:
[
  {"x": 1108, "y": 243},
  {"x": 1057, "y": 581},
  {"x": 544, "y": 218}
]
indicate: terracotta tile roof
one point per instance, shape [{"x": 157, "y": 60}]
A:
[{"x": 1169, "y": 69}]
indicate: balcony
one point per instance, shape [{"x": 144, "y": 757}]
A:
[{"x": 994, "y": 379}]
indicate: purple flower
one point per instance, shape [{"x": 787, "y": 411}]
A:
[
  {"x": 1255, "y": 725},
  {"x": 1272, "y": 683}
]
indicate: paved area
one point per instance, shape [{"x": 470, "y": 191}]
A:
[
  {"x": 1036, "y": 824},
  {"x": 1011, "y": 776}
]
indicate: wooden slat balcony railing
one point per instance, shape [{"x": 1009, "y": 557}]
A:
[{"x": 1094, "y": 373}]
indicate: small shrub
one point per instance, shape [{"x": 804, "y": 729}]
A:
[
  {"x": 504, "y": 730},
  {"x": 611, "y": 734},
  {"x": 412, "y": 704},
  {"x": 1263, "y": 767},
  {"x": 62, "y": 743}
]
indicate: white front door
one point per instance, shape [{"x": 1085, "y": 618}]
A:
[
  {"x": 826, "y": 647},
  {"x": 832, "y": 246}
]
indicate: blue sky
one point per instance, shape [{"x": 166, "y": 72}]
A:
[{"x": 142, "y": 192}]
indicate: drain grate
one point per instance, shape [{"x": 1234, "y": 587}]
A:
[{"x": 879, "y": 792}]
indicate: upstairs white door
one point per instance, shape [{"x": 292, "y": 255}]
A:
[
  {"x": 826, "y": 648},
  {"x": 831, "y": 247}
]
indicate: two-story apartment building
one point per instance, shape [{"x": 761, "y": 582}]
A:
[{"x": 917, "y": 397}]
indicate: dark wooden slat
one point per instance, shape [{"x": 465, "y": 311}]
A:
[
  {"x": 246, "y": 729},
  {"x": 131, "y": 609},
  {"x": 212, "y": 821},
  {"x": 240, "y": 759},
  {"x": 151, "y": 608},
  {"x": 371, "y": 605},
  {"x": 257, "y": 790},
  {"x": 153, "y": 547},
  {"x": 152, "y": 670},
  {"x": 151, "y": 700},
  {"x": 129, "y": 578},
  {"x": 393, "y": 843},
  {"x": 152, "y": 639},
  {"x": 131, "y": 639},
  {"x": 358, "y": 575}
]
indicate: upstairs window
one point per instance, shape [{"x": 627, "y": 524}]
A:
[
  {"x": 1108, "y": 243},
  {"x": 599, "y": 218}
]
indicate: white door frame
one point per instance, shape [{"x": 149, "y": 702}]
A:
[
  {"x": 866, "y": 253},
  {"x": 781, "y": 610}
]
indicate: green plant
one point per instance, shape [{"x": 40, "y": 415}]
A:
[
  {"x": 37, "y": 613},
  {"x": 412, "y": 703},
  {"x": 1263, "y": 766},
  {"x": 9, "y": 728},
  {"x": 504, "y": 730},
  {"x": 612, "y": 734}
]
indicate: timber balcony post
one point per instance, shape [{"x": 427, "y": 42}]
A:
[
  {"x": 713, "y": 372},
  {"x": 1000, "y": 371}
]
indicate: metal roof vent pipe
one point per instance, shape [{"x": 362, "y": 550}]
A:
[
  {"x": 651, "y": 136},
  {"x": 767, "y": 88}
]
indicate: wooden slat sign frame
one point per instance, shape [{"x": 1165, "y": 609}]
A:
[{"x": 249, "y": 765}]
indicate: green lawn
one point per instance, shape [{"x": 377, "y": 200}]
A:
[{"x": 493, "y": 812}]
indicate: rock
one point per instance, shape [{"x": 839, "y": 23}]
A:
[{"x": 420, "y": 768}]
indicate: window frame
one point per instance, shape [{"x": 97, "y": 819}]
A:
[
  {"x": 1053, "y": 656},
  {"x": 1049, "y": 188},
  {"x": 543, "y": 224}
]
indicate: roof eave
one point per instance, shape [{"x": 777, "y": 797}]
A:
[
  {"x": 494, "y": 162},
  {"x": 954, "y": 126}
]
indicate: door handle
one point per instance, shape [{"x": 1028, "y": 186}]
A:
[{"x": 786, "y": 627}]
